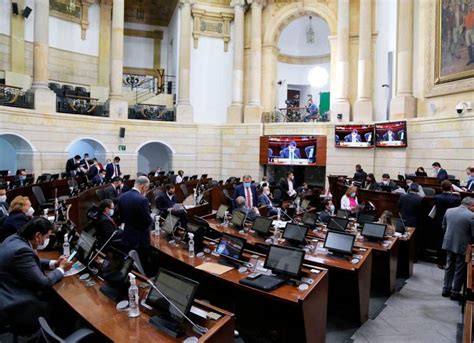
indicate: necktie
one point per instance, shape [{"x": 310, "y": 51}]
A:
[
  {"x": 118, "y": 191},
  {"x": 249, "y": 198},
  {"x": 115, "y": 170}
]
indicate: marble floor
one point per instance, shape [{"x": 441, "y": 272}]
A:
[{"x": 417, "y": 313}]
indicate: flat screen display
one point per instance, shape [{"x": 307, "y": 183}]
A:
[
  {"x": 221, "y": 211},
  {"x": 392, "y": 134},
  {"x": 354, "y": 136},
  {"x": 337, "y": 224},
  {"x": 374, "y": 230},
  {"x": 230, "y": 246},
  {"x": 339, "y": 242},
  {"x": 284, "y": 260},
  {"x": 295, "y": 233},
  {"x": 292, "y": 150},
  {"x": 238, "y": 219},
  {"x": 262, "y": 225}
]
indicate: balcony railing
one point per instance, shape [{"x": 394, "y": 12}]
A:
[
  {"x": 76, "y": 104},
  {"x": 16, "y": 97},
  {"x": 293, "y": 114},
  {"x": 151, "y": 112}
]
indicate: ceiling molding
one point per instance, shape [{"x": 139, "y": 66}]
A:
[
  {"x": 289, "y": 59},
  {"x": 144, "y": 34}
]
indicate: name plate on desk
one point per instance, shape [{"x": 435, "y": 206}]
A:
[{"x": 355, "y": 144}]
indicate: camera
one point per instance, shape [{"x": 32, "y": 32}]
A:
[{"x": 463, "y": 106}]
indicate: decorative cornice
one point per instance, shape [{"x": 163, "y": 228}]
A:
[
  {"x": 144, "y": 34},
  {"x": 283, "y": 58},
  {"x": 212, "y": 22}
]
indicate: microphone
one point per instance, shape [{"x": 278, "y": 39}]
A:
[
  {"x": 338, "y": 225},
  {"x": 95, "y": 270},
  {"x": 196, "y": 328}
]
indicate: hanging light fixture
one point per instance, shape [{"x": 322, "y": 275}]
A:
[{"x": 310, "y": 32}]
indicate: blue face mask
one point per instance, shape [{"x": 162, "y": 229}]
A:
[
  {"x": 111, "y": 213},
  {"x": 246, "y": 184},
  {"x": 353, "y": 194},
  {"x": 22, "y": 177},
  {"x": 470, "y": 177}
]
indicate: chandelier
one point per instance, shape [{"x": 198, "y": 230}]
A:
[{"x": 310, "y": 33}]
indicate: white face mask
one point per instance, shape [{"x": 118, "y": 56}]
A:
[
  {"x": 30, "y": 212},
  {"x": 267, "y": 192},
  {"x": 3, "y": 198},
  {"x": 386, "y": 182},
  {"x": 44, "y": 245}
]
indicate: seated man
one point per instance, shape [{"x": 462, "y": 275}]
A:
[
  {"x": 106, "y": 225},
  {"x": 390, "y": 136},
  {"x": 20, "y": 213},
  {"x": 291, "y": 152},
  {"x": 265, "y": 199},
  {"x": 99, "y": 178},
  {"x": 115, "y": 190},
  {"x": 240, "y": 206},
  {"x": 3, "y": 204},
  {"x": 166, "y": 203},
  {"x": 387, "y": 184},
  {"x": 22, "y": 296},
  {"x": 312, "y": 110},
  {"x": 327, "y": 212},
  {"x": 440, "y": 173},
  {"x": 353, "y": 137}
]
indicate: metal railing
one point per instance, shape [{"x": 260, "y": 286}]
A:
[
  {"x": 293, "y": 114},
  {"x": 76, "y": 104},
  {"x": 151, "y": 112},
  {"x": 16, "y": 97}
]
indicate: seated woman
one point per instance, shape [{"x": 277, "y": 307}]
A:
[
  {"x": 349, "y": 200},
  {"x": 106, "y": 226},
  {"x": 371, "y": 184},
  {"x": 22, "y": 292},
  {"x": 420, "y": 171},
  {"x": 20, "y": 213},
  {"x": 386, "y": 218}
]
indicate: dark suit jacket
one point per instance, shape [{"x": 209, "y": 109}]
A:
[
  {"x": 109, "y": 170},
  {"x": 324, "y": 216},
  {"x": 92, "y": 172},
  {"x": 12, "y": 224},
  {"x": 470, "y": 186},
  {"x": 113, "y": 194},
  {"x": 348, "y": 138},
  {"x": 163, "y": 202},
  {"x": 134, "y": 211},
  {"x": 3, "y": 212},
  {"x": 97, "y": 179},
  {"x": 71, "y": 165},
  {"x": 374, "y": 186},
  {"x": 104, "y": 228},
  {"x": 393, "y": 186},
  {"x": 444, "y": 201},
  {"x": 240, "y": 191},
  {"x": 410, "y": 208},
  {"x": 264, "y": 200},
  {"x": 442, "y": 174},
  {"x": 285, "y": 153},
  {"x": 394, "y": 137},
  {"x": 360, "y": 175},
  {"x": 21, "y": 272}
]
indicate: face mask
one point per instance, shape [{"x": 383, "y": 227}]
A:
[
  {"x": 3, "y": 198},
  {"x": 22, "y": 177},
  {"x": 353, "y": 194},
  {"x": 267, "y": 192},
  {"x": 332, "y": 208},
  {"x": 246, "y": 184},
  {"x": 111, "y": 213},
  {"x": 44, "y": 245},
  {"x": 386, "y": 182},
  {"x": 30, "y": 212}
]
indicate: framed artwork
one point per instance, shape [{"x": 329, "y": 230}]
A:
[{"x": 454, "y": 44}]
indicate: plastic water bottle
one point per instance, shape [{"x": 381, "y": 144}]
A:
[
  {"x": 276, "y": 233},
  {"x": 226, "y": 218},
  {"x": 66, "y": 250},
  {"x": 157, "y": 231},
  {"x": 191, "y": 244},
  {"x": 278, "y": 214},
  {"x": 133, "y": 298},
  {"x": 194, "y": 197}
]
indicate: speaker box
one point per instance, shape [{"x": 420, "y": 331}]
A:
[
  {"x": 15, "y": 8},
  {"x": 122, "y": 132},
  {"x": 27, "y": 11}
]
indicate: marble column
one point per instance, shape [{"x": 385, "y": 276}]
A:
[
  {"x": 118, "y": 107},
  {"x": 104, "y": 42},
  {"x": 404, "y": 103},
  {"x": 184, "y": 110},
  {"x": 341, "y": 103},
  {"x": 45, "y": 99},
  {"x": 235, "y": 111},
  {"x": 253, "y": 110},
  {"x": 363, "y": 107}
]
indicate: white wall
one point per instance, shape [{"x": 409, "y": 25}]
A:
[
  {"x": 154, "y": 155},
  {"x": 297, "y": 74},
  {"x": 5, "y": 13},
  {"x": 89, "y": 146},
  {"x": 293, "y": 38},
  {"x": 211, "y": 80},
  {"x": 386, "y": 26},
  {"x": 8, "y": 159}
]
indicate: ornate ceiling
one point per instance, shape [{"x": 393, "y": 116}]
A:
[{"x": 151, "y": 12}]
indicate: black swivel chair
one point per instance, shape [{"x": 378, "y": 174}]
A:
[
  {"x": 429, "y": 191},
  {"x": 50, "y": 336},
  {"x": 39, "y": 195},
  {"x": 184, "y": 189}
]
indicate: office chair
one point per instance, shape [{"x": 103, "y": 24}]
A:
[
  {"x": 39, "y": 195},
  {"x": 136, "y": 261},
  {"x": 184, "y": 189},
  {"x": 429, "y": 191},
  {"x": 50, "y": 336},
  {"x": 100, "y": 194}
]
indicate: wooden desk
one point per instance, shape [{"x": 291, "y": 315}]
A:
[
  {"x": 467, "y": 336},
  {"x": 358, "y": 275},
  {"x": 100, "y": 312},
  {"x": 285, "y": 314},
  {"x": 469, "y": 273},
  {"x": 406, "y": 253}
]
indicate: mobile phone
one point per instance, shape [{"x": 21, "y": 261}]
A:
[{"x": 72, "y": 256}]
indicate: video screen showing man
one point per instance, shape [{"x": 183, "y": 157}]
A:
[
  {"x": 391, "y": 134},
  {"x": 354, "y": 136},
  {"x": 292, "y": 152}
]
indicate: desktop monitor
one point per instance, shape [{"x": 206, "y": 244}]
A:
[
  {"x": 238, "y": 219},
  {"x": 338, "y": 224},
  {"x": 230, "y": 246},
  {"x": 310, "y": 219},
  {"x": 221, "y": 212},
  {"x": 339, "y": 243},
  {"x": 262, "y": 225},
  {"x": 178, "y": 289},
  {"x": 204, "y": 176},
  {"x": 374, "y": 231},
  {"x": 399, "y": 225},
  {"x": 194, "y": 177},
  {"x": 295, "y": 233},
  {"x": 342, "y": 213},
  {"x": 284, "y": 260},
  {"x": 85, "y": 246},
  {"x": 365, "y": 218},
  {"x": 170, "y": 224},
  {"x": 305, "y": 204},
  {"x": 54, "y": 177},
  {"x": 114, "y": 270},
  {"x": 4, "y": 172}
]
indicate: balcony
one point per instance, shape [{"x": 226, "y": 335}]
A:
[
  {"x": 151, "y": 112},
  {"x": 16, "y": 97}
]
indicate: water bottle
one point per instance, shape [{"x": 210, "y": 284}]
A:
[
  {"x": 133, "y": 298},
  {"x": 194, "y": 197},
  {"x": 191, "y": 244},
  {"x": 66, "y": 250},
  {"x": 45, "y": 213},
  {"x": 278, "y": 214},
  {"x": 226, "y": 218},
  {"x": 276, "y": 233},
  {"x": 157, "y": 231}
]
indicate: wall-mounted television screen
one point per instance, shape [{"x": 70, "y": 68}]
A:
[
  {"x": 291, "y": 150},
  {"x": 354, "y": 136},
  {"x": 392, "y": 134}
]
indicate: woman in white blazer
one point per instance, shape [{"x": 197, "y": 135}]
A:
[{"x": 349, "y": 200}]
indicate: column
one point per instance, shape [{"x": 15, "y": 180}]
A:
[
  {"x": 235, "y": 111},
  {"x": 104, "y": 42},
  {"x": 45, "y": 99},
  {"x": 253, "y": 110},
  {"x": 363, "y": 108},
  {"x": 341, "y": 103},
  {"x": 184, "y": 110},
  {"x": 404, "y": 103},
  {"x": 118, "y": 107}
]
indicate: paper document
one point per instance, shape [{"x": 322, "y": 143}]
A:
[
  {"x": 76, "y": 268},
  {"x": 214, "y": 268}
]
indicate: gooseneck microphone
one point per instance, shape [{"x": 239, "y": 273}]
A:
[{"x": 95, "y": 270}]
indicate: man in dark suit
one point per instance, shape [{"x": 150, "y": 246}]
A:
[
  {"x": 443, "y": 201},
  {"x": 72, "y": 165},
  {"x": 265, "y": 200},
  {"x": 441, "y": 174},
  {"x": 113, "y": 169},
  {"x": 99, "y": 178},
  {"x": 387, "y": 184},
  {"x": 287, "y": 186},
  {"x": 3, "y": 204},
  {"x": 116, "y": 189},
  {"x": 390, "y": 136},
  {"x": 291, "y": 152},
  {"x": 93, "y": 170},
  {"x": 106, "y": 225},
  {"x": 410, "y": 206},
  {"x": 459, "y": 225},
  {"x": 353, "y": 137},
  {"x": 247, "y": 190},
  {"x": 22, "y": 296},
  {"x": 166, "y": 200},
  {"x": 241, "y": 206},
  {"x": 360, "y": 174}
]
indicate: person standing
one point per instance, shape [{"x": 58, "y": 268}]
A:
[
  {"x": 288, "y": 185},
  {"x": 459, "y": 226},
  {"x": 360, "y": 174},
  {"x": 113, "y": 169},
  {"x": 3, "y": 204},
  {"x": 247, "y": 190},
  {"x": 349, "y": 200},
  {"x": 410, "y": 206},
  {"x": 440, "y": 173},
  {"x": 265, "y": 199}
]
